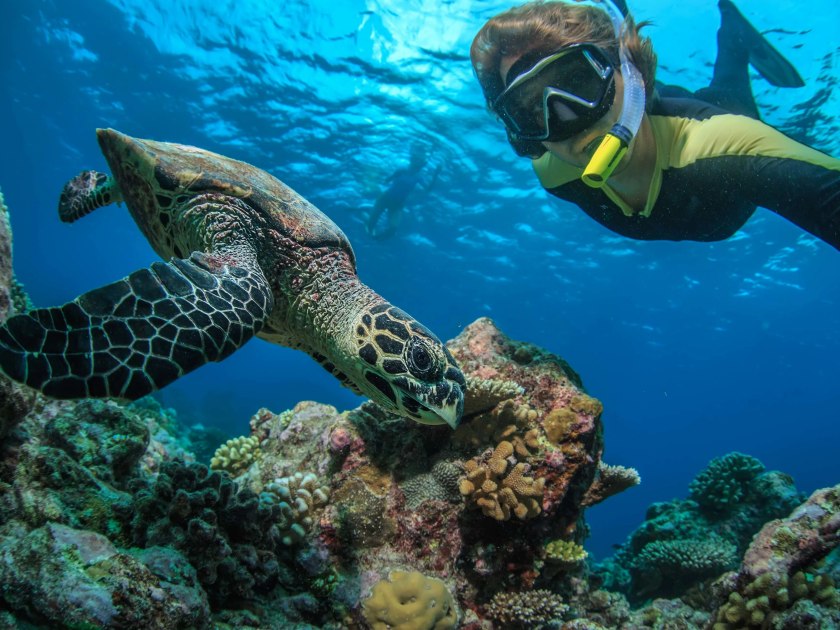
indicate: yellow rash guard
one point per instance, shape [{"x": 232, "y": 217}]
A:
[{"x": 713, "y": 169}]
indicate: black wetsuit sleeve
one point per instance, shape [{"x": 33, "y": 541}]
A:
[{"x": 806, "y": 194}]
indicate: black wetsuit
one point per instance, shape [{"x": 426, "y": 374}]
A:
[{"x": 713, "y": 169}]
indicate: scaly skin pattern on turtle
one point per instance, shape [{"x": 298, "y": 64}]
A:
[{"x": 247, "y": 257}]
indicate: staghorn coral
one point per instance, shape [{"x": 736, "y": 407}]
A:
[
  {"x": 500, "y": 492},
  {"x": 529, "y": 610},
  {"x": 610, "y": 480},
  {"x": 719, "y": 488},
  {"x": 410, "y": 601},
  {"x": 297, "y": 496},
  {"x": 236, "y": 455},
  {"x": 482, "y": 394},
  {"x": 769, "y": 596}
]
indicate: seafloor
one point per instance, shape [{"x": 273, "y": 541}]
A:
[{"x": 116, "y": 515}]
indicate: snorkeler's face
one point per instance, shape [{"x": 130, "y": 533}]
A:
[{"x": 579, "y": 149}]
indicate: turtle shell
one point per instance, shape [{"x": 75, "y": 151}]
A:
[{"x": 153, "y": 175}]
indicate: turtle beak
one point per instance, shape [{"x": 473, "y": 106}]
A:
[
  {"x": 442, "y": 403},
  {"x": 451, "y": 414}
]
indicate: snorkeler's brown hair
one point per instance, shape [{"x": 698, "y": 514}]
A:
[{"x": 544, "y": 27}]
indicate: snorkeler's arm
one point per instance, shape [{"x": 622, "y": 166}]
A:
[{"x": 795, "y": 181}]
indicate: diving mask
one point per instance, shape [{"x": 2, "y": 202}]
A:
[{"x": 552, "y": 98}]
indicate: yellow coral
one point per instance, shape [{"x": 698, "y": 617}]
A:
[
  {"x": 558, "y": 423},
  {"x": 500, "y": 495},
  {"x": 482, "y": 394},
  {"x": 410, "y": 601},
  {"x": 565, "y": 552},
  {"x": 769, "y": 594},
  {"x": 586, "y": 405},
  {"x": 509, "y": 422},
  {"x": 236, "y": 455}
]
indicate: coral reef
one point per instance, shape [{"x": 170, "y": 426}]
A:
[
  {"x": 362, "y": 519},
  {"x": 682, "y": 543},
  {"x": 410, "y": 601}
]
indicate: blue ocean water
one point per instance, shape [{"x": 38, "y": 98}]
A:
[{"x": 695, "y": 349}]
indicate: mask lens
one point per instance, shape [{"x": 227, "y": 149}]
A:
[{"x": 558, "y": 96}]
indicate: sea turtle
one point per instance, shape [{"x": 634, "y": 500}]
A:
[{"x": 248, "y": 256}]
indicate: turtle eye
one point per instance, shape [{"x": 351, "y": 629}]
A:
[{"x": 421, "y": 360}]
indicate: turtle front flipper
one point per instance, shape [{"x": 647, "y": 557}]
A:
[
  {"x": 134, "y": 336},
  {"x": 85, "y": 193}
]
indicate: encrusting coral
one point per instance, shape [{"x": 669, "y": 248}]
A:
[
  {"x": 410, "y": 601},
  {"x": 297, "y": 496},
  {"x": 236, "y": 455}
]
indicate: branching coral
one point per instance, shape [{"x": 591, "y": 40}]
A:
[
  {"x": 722, "y": 484},
  {"x": 498, "y": 491},
  {"x": 769, "y": 595},
  {"x": 507, "y": 422},
  {"x": 526, "y": 610},
  {"x": 297, "y": 496},
  {"x": 236, "y": 455},
  {"x": 565, "y": 552},
  {"x": 410, "y": 601},
  {"x": 610, "y": 480},
  {"x": 483, "y": 394}
]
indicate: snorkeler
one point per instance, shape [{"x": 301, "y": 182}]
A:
[
  {"x": 574, "y": 85},
  {"x": 387, "y": 213}
]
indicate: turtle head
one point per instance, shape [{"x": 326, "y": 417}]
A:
[{"x": 406, "y": 368}]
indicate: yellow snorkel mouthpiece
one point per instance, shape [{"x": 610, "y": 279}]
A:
[
  {"x": 616, "y": 142},
  {"x": 606, "y": 157}
]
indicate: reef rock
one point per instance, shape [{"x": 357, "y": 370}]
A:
[
  {"x": 15, "y": 401},
  {"x": 477, "y": 508}
]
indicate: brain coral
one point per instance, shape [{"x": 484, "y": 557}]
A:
[{"x": 410, "y": 601}]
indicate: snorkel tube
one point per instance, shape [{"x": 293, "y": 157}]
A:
[{"x": 615, "y": 143}]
